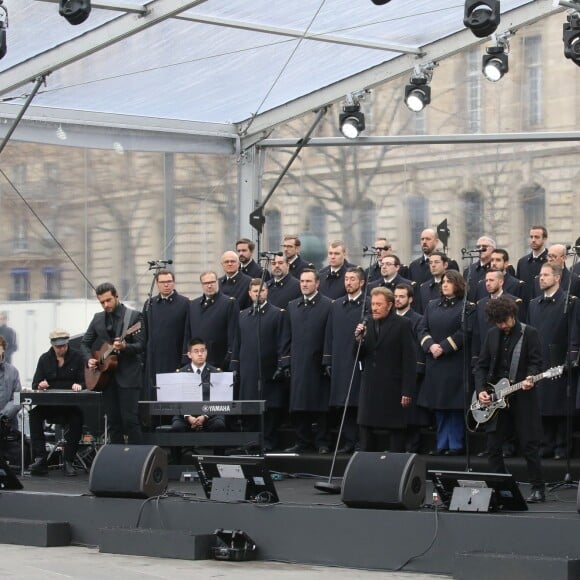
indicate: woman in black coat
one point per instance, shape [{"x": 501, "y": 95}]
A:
[{"x": 442, "y": 339}]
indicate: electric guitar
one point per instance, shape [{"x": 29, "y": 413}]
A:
[
  {"x": 499, "y": 392},
  {"x": 99, "y": 377}
]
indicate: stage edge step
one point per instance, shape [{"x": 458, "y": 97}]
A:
[
  {"x": 486, "y": 565},
  {"x": 40, "y": 533}
]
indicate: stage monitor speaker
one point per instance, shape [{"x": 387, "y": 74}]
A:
[
  {"x": 8, "y": 479},
  {"x": 129, "y": 471},
  {"x": 393, "y": 481}
]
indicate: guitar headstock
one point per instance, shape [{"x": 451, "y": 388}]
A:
[{"x": 554, "y": 372}]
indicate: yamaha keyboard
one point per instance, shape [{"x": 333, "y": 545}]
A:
[
  {"x": 203, "y": 407},
  {"x": 58, "y": 398}
]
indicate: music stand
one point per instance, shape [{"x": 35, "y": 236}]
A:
[
  {"x": 459, "y": 491},
  {"x": 235, "y": 478}
]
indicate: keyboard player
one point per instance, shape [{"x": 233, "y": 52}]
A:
[{"x": 61, "y": 367}]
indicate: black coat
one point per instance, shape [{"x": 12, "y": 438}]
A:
[
  {"x": 389, "y": 372},
  {"x": 309, "y": 388},
  {"x": 339, "y": 349},
  {"x": 548, "y": 317},
  {"x": 281, "y": 292},
  {"x": 237, "y": 286},
  {"x": 166, "y": 323},
  {"x": 417, "y": 415},
  {"x": 429, "y": 290},
  {"x": 252, "y": 270},
  {"x": 528, "y": 268},
  {"x": 274, "y": 353},
  {"x": 419, "y": 271},
  {"x": 298, "y": 265},
  {"x": 481, "y": 324},
  {"x": 530, "y": 363},
  {"x": 441, "y": 324},
  {"x": 215, "y": 320},
  {"x": 71, "y": 372},
  {"x": 129, "y": 371},
  {"x": 332, "y": 283}
]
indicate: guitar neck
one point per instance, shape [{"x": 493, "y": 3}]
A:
[{"x": 517, "y": 386}]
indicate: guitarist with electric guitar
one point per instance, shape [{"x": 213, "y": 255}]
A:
[
  {"x": 114, "y": 347},
  {"x": 512, "y": 351}
]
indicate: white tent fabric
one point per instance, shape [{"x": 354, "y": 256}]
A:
[{"x": 223, "y": 67}]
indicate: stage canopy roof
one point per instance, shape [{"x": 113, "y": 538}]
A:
[{"x": 218, "y": 74}]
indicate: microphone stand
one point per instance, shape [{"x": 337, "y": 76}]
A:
[
  {"x": 568, "y": 481},
  {"x": 467, "y": 255},
  {"x": 328, "y": 486}
]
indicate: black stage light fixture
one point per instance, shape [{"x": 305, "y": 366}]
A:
[
  {"x": 351, "y": 121},
  {"x": 380, "y": 2},
  {"x": 3, "y": 28},
  {"x": 494, "y": 64},
  {"x": 417, "y": 94},
  {"x": 75, "y": 11},
  {"x": 571, "y": 38},
  {"x": 482, "y": 17}
]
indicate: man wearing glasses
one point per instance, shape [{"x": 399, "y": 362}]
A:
[
  {"x": 166, "y": 318},
  {"x": 214, "y": 318}
]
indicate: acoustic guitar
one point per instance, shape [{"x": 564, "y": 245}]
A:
[{"x": 96, "y": 379}]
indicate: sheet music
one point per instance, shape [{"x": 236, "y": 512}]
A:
[
  {"x": 179, "y": 387},
  {"x": 222, "y": 387}
]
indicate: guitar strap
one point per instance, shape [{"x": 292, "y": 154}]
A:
[
  {"x": 126, "y": 319},
  {"x": 516, "y": 355}
]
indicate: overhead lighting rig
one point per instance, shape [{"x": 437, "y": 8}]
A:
[
  {"x": 494, "y": 64},
  {"x": 418, "y": 91},
  {"x": 75, "y": 11},
  {"x": 482, "y": 17},
  {"x": 571, "y": 32},
  {"x": 351, "y": 121}
]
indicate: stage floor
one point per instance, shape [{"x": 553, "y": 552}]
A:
[{"x": 311, "y": 527}]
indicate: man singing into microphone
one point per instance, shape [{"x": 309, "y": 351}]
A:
[{"x": 389, "y": 356}]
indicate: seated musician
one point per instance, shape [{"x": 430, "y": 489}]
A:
[
  {"x": 59, "y": 368},
  {"x": 9, "y": 384},
  {"x": 197, "y": 354}
]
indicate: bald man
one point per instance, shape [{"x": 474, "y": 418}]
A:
[
  {"x": 419, "y": 269},
  {"x": 234, "y": 283},
  {"x": 557, "y": 255}
]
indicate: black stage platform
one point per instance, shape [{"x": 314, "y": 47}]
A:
[{"x": 315, "y": 528}]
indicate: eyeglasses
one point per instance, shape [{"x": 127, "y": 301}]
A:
[
  {"x": 388, "y": 263},
  {"x": 209, "y": 283},
  {"x": 165, "y": 281},
  {"x": 554, "y": 256},
  {"x": 198, "y": 350}
]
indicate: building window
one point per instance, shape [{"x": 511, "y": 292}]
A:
[
  {"x": 473, "y": 214},
  {"x": 417, "y": 207},
  {"x": 533, "y": 80},
  {"x": 473, "y": 88},
  {"x": 273, "y": 230},
  {"x": 20, "y": 279},
  {"x": 51, "y": 278},
  {"x": 534, "y": 206}
]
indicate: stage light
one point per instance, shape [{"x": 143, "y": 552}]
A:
[
  {"x": 481, "y": 17},
  {"x": 351, "y": 121},
  {"x": 380, "y": 2},
  {"x": 3, "y": 27},
  {"x": 494, "y": 64},
  {"x": 571, "y": 38},
  {"x": 417, "y": 94},
  {"x": 75, "y": 11}
]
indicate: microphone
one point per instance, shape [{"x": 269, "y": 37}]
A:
[
  {"x": 160, "y": 262},
  {"x": 364, "y": 322},
  {"x": 266, "y": 254},
  {"x": 473, "y": 250}
]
